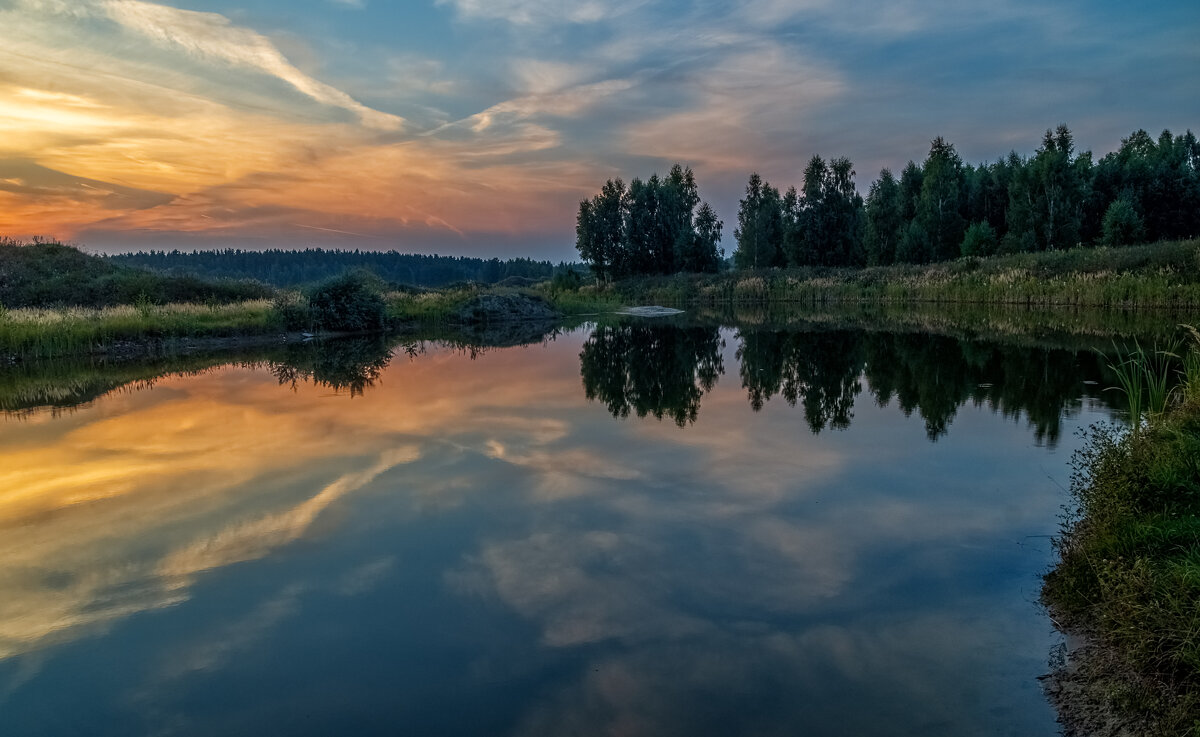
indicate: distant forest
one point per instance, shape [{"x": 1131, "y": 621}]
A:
[
  {"x": 941, "y": 209},
  {"x": 291, "y": 268}
]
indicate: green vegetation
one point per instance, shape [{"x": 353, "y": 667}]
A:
[
  {"x": 942, "y": 209},
  {"x": 939, "y": 210},
  {"x": 55, "y": 275},
  {"x": 75, "y": 330},
  {"x": 1160, "y": 275},
  {"x": 658, "y": 226},
  {"x": 347, "y": 303},
  {"x": 81, "y": 312},
  {"x": 1130, "y": 555},
  {"x": 311, "y": 265}
]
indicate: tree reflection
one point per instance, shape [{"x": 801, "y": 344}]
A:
[
  {"x": 820, "y": 370},
  {"x": 664, "y": 370},
  {"x": 659, "y": 370},
  {"x": 935, "y": 375},
  {"x": 353, "y": 364}
]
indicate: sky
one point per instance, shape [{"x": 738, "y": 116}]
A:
[{"x": 475, "y": 127}]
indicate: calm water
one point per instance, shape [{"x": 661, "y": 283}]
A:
[{"x": 628, "y": 530}]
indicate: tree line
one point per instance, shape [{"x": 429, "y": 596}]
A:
[
  {"x": 940, "y": 209},
  {"x": 657, "y": 226},
  {"x": 284, "y": 268}
]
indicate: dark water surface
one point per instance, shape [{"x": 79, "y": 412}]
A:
[{"x": 636, "y": 529}]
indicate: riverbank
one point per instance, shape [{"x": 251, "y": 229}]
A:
[
  {"x": 1162, "y": 279},
  {"x": 146, "y": 328},
  {"x": 1128, "y": 582},
  {"x": 1157, "y": 275}
]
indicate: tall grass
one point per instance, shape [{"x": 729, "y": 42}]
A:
[
  {"x": 1189, "y": 384},
  {"x": 1153, "y": 380},
  {"x": 74, "y": 330},
  {"x": 429, "y": 307},
  {"x": 1159, "y": 275}
]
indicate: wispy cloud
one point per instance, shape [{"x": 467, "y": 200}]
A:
[
  {"x": 212, "y": 36},
  {"x": 531, "y": 12},
  {"x": 482, "y": 122}
]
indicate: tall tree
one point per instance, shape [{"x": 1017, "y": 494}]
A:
[
  {"x": 941, "y": 202},
  {"x": 914, "y": 241},
  {"x": 704, "y": 255},
  {"x": 1059, "y": 180},
  {"x": 884, "y": 220},
  {"x": 600, "y": 231},
  {"x": 760, "y": 226},
  {"x": 827, "y": 220},
  {"x": 678, "y": 201}
]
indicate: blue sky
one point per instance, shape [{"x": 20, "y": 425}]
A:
[{"x": 475, "y": 127}]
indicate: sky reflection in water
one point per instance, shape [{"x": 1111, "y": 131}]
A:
[{"x": 472, "y": 546}]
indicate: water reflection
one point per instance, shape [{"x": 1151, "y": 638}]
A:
[
  {"x": 664, "y": 370},
  {"x": 818, "y": 369},
  {"x": 652, "y": 369},
  {"x": 479, "y": 549},
  {"x": 352, "y": 364}
]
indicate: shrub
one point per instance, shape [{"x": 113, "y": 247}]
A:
[
  {"x": 348, "y": 303},
  {"x": 980, "y": 240},
  {"x": 1122, "y": 224},
  {"x": 291, "y": 310}
]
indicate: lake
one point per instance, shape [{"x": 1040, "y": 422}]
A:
[{"x": 633, "y": 528}]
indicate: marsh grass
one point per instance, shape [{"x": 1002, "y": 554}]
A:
[
  {"x": 1189, "y": 383},
  {"x": 1158, "y": 275},
  {"x": 427, "y": 306},
  {"x": 1154, "y": 380},
  {"x": 53, "y": 332},
  {"x": 1144, "y": 378}
]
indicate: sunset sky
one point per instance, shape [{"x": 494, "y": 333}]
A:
[{"x": 474, "y": 127}]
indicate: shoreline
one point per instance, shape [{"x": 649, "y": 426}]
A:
[
  {"x": 1081, "y": 689},
  {"x": 1126, "y": 587}
]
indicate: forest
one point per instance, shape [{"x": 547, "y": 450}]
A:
[
  {"x": 941, "y": 209},
  {"x": 284, "y": 268}
]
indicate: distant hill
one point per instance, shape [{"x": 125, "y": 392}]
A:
[
  {"x": 293, "y": 268},
  {"x": 53, "y": 275}
]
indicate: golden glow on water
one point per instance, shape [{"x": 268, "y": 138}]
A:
[{"x": 118, "y": 506}]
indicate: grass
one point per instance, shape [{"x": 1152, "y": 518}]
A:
[
  {"x": 1130, "y": 551},
  {"x": 1158, "y": 275},
  {"x": 32, "y": 332},
  {"x": 438, "y": 307},
  {"x": 1146, "y": 379},
  {"x": 429, "y": 307}
]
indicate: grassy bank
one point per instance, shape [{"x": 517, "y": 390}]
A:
[
  {"x": 40, "y": 333},
  {"x": 1158, "y": 275},
  {"x": 1129, "y": 575}
]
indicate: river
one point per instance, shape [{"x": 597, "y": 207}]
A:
[{"x": 633, "y": 528}]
